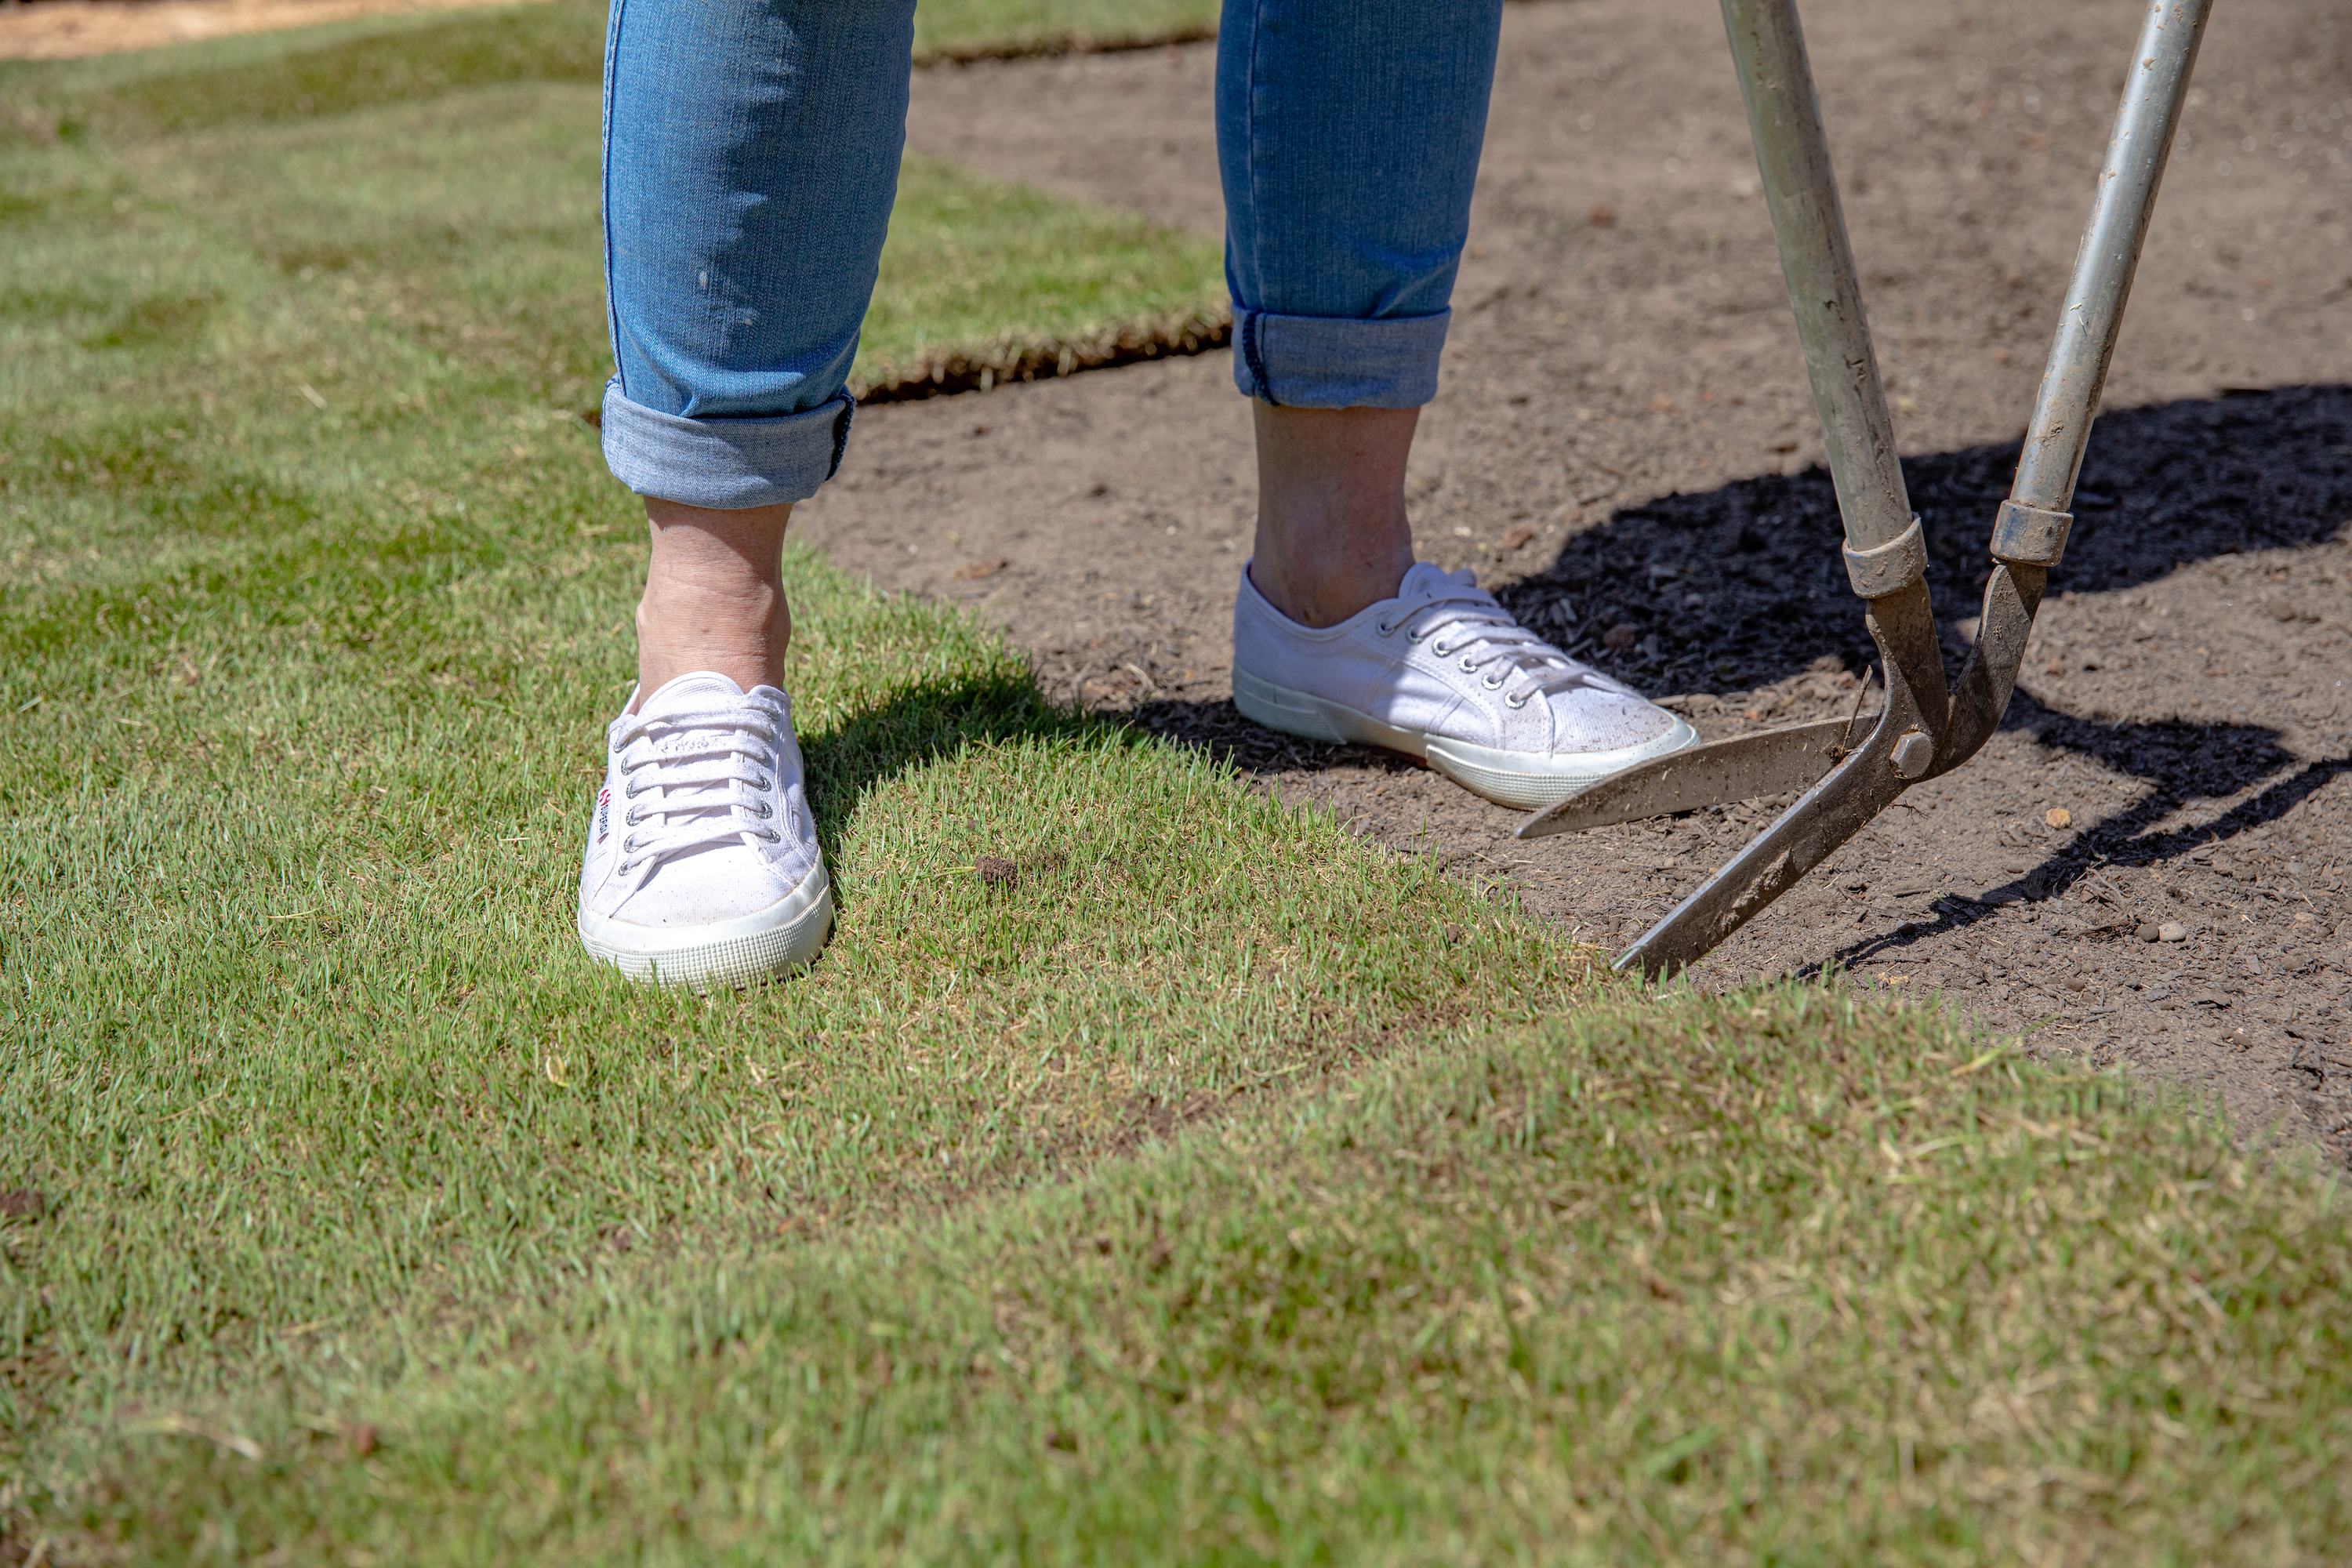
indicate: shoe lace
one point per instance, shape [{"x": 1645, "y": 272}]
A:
[
  {"x": 1470, "y": 623},
  {"x": 688, "y": 763}
]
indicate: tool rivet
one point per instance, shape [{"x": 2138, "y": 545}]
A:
[{"x": 1912, "y": 754}]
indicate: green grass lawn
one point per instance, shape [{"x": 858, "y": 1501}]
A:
[
  {"x": 320, "y": 143},
  {"x": 397, "y": 57},
  {"x": 1222, "y": 1189},
  {"x": 953, "y": 28}
]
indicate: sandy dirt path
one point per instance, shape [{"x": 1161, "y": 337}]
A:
[
  {"x": 70, "y": 29},
  {"x": 1624, "y": 444}
]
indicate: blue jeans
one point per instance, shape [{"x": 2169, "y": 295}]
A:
[{"x": 751, "y": 156}]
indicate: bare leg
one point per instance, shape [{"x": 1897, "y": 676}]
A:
[
  {"x": 714, "y": 595},
  {"x": 1332, "y": 536}
]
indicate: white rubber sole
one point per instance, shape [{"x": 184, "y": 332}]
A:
[
  {"x": 767, "y": 943},
  {"x": 1526, "y": 780}
]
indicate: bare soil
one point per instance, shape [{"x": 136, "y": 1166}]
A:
[{"x": 1625, "y": 443}]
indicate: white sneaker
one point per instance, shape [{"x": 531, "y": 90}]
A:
[
  {"x": 702, "y": 867},
  {"x": 1442, "y": 673}
]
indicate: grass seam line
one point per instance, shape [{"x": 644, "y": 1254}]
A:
[
  {"x": 1172, "y": 337},
  {"x": 1062, "y": 46}
]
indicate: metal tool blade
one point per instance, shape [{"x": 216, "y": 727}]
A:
[
  {"x": 1926, "y": 728},
  {"x": 1831, "y": 812},
  {"x": 1769, "y": 763}
]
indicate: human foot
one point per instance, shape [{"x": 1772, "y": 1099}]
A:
[
  {"x": 702, "y": 867},
  {"x": 1441, "y": 672}
]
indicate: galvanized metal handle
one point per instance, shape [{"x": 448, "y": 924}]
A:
[
  {"x": 2153, "y": 92},
  {"x": 1922, "y": 731},
  {"x": 2030, "y": 533},
  {"x": 1792, "y": 154}
]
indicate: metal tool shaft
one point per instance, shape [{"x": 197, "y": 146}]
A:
[
  {"x": 2029, "y": 534},
  {"x": 1885, "y": 556},
  {"x": 2154, "y": 91},
  {"x": 1792, "y": 153}
]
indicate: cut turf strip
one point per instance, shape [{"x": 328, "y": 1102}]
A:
[
  {"x": 1022, "y": 358},
  {"x": 404, "y": 56},
  {"x": 983, "y": 282},
  {"x": 963, "y": 31},
  {"x": 1778, "y": 1276}
]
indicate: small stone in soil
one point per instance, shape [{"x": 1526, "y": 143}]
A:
[
  {"x": 2149, "y": 931},
  {"x": 2172, "y": 930},
  {"x": 2058, "y": 816},
  {"x": 995, "y": 868},
  {"x": 1518, "y": 537}
]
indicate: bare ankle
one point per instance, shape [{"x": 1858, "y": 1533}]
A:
[
  {"x": 1332, "y": 535},
  {"x": 738, "y": 631},
  {"x": 714, "y": 596}
]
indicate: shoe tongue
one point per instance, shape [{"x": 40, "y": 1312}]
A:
[
  {"x": 688, "y": 693},
  {"x": 1427, "y": 580}
]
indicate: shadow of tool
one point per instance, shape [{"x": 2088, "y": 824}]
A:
[
  {"x": 2213, "y": 760},
  {"x": 2163, "y": 486}
]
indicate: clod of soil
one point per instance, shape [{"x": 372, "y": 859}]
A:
[
  {"x": 995, "y": 870},
  {"x": 24, "y": 1203}
]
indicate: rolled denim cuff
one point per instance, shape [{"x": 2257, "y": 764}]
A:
[
  {"x": 1329, "y": 362},
  {"x": 727, "y": 465}
]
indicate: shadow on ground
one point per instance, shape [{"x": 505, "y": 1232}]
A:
[
  {"x": 919, "y": 725},
  {"x": 1742, "y": 586},
  {"x": 2162, "y": 486}
]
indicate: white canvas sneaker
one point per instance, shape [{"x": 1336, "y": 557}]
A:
[
  {"x": 702, "y": 867},
  {"x": 1442, "y": 673}
]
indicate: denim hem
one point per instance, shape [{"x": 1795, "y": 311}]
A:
[
  {"x": 1328, "y": 362},
  {"x": 727, "y": 465}
]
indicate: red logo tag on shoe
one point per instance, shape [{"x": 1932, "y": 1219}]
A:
[{"x": 603, "y": 814}]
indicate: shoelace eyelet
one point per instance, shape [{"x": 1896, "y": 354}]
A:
[
  {"x": 1518, "y": 700},
  {"x": 764, "y": 785},
  {"x": 769, "y": 834},
  {"x": 1490, "y": 683},
  {"x": 1466, "y": 667},
  {"x": 1415, "y": 635},
  {"x": 763, "y": 810},
  {"x": 1439, "y": 650}
]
